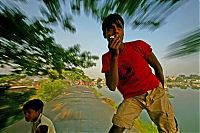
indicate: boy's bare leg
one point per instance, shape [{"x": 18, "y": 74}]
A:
[{"x": 116, "y": 129}]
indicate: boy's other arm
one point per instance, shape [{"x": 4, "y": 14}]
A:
[
  {"x": 155, "y": 64},
  {"x": 112, "y": 76}
]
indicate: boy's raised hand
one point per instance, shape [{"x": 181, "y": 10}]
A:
[{"x": 114, "y": 44}]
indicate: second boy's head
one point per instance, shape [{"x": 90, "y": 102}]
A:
[{"x": 32, "y": 109}]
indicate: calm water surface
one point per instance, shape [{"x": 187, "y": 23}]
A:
[{"x": 185, "y": 103}]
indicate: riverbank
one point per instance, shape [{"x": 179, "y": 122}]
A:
[
  {"x": 12, "y": 100},
  {"x": 10, "y": 106}
]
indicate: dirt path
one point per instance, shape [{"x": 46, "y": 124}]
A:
[{"x": 76, "y": 110}]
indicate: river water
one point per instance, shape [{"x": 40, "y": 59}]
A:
[{"x": 185, "y": 103}]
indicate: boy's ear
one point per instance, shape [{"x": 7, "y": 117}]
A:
[{"x": 39, "y": 111}]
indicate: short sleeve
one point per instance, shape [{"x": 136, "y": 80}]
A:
[
  {"x": 105, "y": 63},
  {"x": 144, "y": 48}
]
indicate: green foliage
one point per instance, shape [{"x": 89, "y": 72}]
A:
[
  {"x": 49, "y": 89},
  {"x": 193, "y": 76},
  {"x": 29, "y": 47},
  {"x": 138, "y": 13},
  {"x": 145, "y": 127},
  {"x": 75, "y": 74},
  {"x": 8, "y": 79},
  {"x": 53, "y": 74},
  {"x": 189, "y": 44},
  {"x": 179, "y": 79},
  {"x": 11, "y": 103}
]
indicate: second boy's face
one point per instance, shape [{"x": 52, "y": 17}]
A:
[{"x": 31, "y": 115}]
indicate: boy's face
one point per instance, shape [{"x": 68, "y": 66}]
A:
[
  {"x": 115, "y": 29},
  {"x": 31, "y": 115}
]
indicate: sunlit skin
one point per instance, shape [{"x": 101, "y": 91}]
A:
[
  {"x": 31, "y": 115},
  {"x": 115, "y": 45}
]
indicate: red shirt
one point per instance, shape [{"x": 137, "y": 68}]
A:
[{"x": 135, "y": 75}]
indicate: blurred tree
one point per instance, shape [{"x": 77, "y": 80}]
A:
[
  {"x": 30, "y": 48},
  {"x": 138, "y": 13},
  {"x": 189, "y": 44}
]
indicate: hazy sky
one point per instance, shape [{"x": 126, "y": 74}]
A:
[{"x": 89, "y": 36}]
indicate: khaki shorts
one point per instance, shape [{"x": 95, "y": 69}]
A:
[{"x": 157, "y": 105}]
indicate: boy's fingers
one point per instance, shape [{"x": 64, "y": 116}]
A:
[{"x": 116, "y": 43}]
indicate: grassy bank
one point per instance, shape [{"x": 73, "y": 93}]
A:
[
  {"x": 48, "y": 89},
  {"x": 12, "y": 102},
  {"x": 144, "y": 127},
  {"x": 10, "y": 106}
]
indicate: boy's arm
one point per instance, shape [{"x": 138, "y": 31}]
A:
[
  {"x": 155, "y": 64},
  {"x": 112, "y": 76}
]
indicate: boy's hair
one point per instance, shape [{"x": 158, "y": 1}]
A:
[
  {"x": 35, "y": 104},
  {"x": 112, "y": 18}
]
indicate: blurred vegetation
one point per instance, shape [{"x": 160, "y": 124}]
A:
[
  {"x": 189, "y": 44},
  {"x": 145, "y": 127},
  {"x": 49, "y": 89},
  {"x": 138, "y": 13},
  {"x": 11, "y": 103},
  {"x": 44, "y": 88},
  {"x": 184, "y": 82},
  {"x": 27, "y": 44},
  {"x": 29, "y": 47},
  {"x": 76, "y": 74},
  {"x": 9, "y": 79}
]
